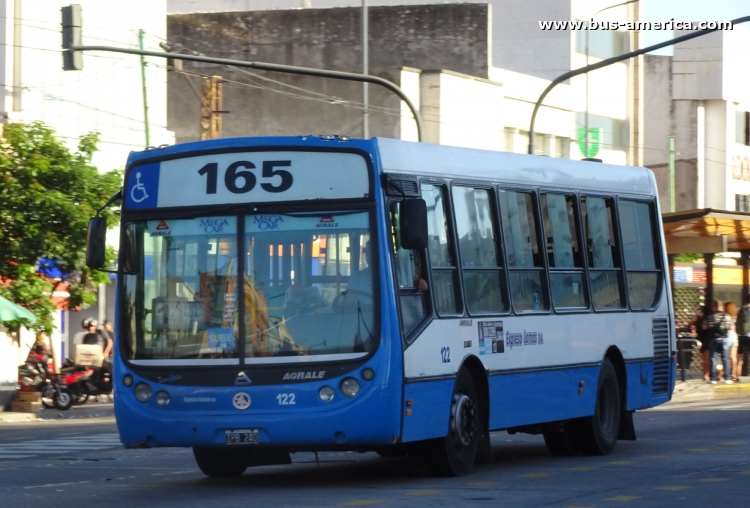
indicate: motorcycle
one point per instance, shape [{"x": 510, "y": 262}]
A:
[
  {"x": 86, "y": 381},
  {"x": 34, "y": 375}
]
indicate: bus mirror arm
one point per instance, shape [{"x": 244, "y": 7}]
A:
[{"x": 96, "y": 237}]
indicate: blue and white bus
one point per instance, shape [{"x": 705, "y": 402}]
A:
[{"x": 284, "y": 294}]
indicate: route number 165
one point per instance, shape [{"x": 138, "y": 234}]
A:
[{"x": 238, "y": 178}]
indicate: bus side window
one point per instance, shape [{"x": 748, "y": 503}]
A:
[
  {"x": 445, "y": 284},
  {"x": 409, "y": 271},
  {"x": 525, "y": 263},
  {"x": 605, "y": 275},
  {"x": 638, "y": 245},
  {"x": 483, "y": 277},
  {"x": 563, "y": 250}
]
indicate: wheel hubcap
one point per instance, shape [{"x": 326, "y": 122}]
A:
[{"x": 463, "y": 419}]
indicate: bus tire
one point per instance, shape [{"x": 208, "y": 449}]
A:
[
  {"x": 454, "y": 454},
  {"x": 219, "y": 462},
  {"x": 597, "y": 434}
]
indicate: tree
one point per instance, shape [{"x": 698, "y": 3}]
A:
[{"x": 47, "y": 196}]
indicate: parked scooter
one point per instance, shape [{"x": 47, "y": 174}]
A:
[
  {"x": 86, "y": 381},
  {"x": 35, "y": 375}
]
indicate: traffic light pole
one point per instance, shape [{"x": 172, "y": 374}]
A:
[
  {"x": 610, "y": 61},
  {"x": 75, "y": 50}
]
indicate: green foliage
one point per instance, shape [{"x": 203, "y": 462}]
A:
[
  {"x": 689, "y": 258},
  {"x": 47, "y": 196}
]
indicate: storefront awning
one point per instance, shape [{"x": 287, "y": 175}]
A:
[{"x": 706, "y": 230}]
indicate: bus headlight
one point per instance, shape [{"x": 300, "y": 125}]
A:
[
  {"x": 127, "y": 380},
  {"x": 326, "y": 394},
  {"x": 162, "y": 398},
  {"x": 350, "y": 387},
  {"x": 142, "y": 392}
]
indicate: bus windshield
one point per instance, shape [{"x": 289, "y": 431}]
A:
[{"x": 307, "y": 279}]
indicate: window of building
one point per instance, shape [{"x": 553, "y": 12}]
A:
[
  {"x": 742, "y": 127},
  {"x": 440, "y": 249},
  {"x": 602, "y": 43},
  {"x": 603, "y": 256},
  {"x": 638, "y": 247},
  {"x": 525, "y": 264},
  {"x": 562, "y": 147},
  {"x": 477, "y": 245},
  {"x": 742, "y": 202},
  {"x": 564, "y": 255},
  {"x": 509, "y": 139}
]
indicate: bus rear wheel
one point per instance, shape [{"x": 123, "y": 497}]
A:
[
  {"x": 220, "y": 462},
  {"x": 597, "y": 435},
  {"x": 454, "y": 454}
]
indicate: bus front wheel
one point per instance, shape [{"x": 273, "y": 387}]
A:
[
  {"x": 597, "y": 435},
  {"x": 219, "y": 462},
  {"x": 454, "y": 454}
]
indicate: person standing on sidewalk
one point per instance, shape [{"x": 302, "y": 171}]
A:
[
  {"x": 743, "y": 331},
  {"x": 704, "y": 338},
  {"x": 732, "y": 338},
  {"x": 718, "y": 325}
]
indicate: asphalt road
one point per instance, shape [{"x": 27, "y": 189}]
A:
[{"x": 690, "y": 454}]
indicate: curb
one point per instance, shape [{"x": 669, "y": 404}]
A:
[{"x": 726, "y": 391}]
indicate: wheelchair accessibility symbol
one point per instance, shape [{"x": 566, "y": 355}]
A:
[{"x": 138, "y": 192}]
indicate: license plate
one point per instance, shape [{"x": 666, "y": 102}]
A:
[{"x": 242, "y": 437}]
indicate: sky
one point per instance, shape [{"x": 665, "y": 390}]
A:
[{"x": 688, "y": 10}]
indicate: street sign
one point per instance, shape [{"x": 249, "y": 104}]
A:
[{"x": 593, "y": 141}]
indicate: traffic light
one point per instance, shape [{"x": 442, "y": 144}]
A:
[{"x": 71, "y": 37}]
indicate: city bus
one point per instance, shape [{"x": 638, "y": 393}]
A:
[{"x": 315, "y": 293}]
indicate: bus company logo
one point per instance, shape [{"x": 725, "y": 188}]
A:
[
  {"x": 241, "y": 400},
  {"x": 267, "y": 222},
  {"x": 299, "y": 376},
  {"x": 327, "y": 221},
  {"x": 213, "y": 226},
  {"x": 523, "y": 339}
]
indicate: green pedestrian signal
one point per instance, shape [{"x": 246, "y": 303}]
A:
[{"x": 589, "y": 145}]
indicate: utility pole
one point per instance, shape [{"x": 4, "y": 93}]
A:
[
  {"x": 141, "y": 38},
  {"x": 212, "y": 100},
  {"x": 672, "y": 198},
  {"x": 365, "y": 70}
]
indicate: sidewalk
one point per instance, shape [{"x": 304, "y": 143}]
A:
[
  {"x": 88, "y": 410},
  {"x": 696, "y": 389}
]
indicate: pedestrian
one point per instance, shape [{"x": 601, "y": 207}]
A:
[
  {"x": 743, "y": 331},
  {"x": 704, "y": 339},
  {"x": 732, "y": 338},
  {"x": 717, "y": 324}
]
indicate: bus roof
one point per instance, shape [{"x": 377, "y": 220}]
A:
[{"x": 442, "y": 161}]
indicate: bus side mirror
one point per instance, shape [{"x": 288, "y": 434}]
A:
[
  {"x": 413, "y": 218},
  {"x": 96, "y": 241}
]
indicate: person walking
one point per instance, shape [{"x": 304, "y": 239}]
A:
[
  {"x": 732, "y": 338},
  {"x": 717, "y": 325},
  {"x": 743, "y": 332}
]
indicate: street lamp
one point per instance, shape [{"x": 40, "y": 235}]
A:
[{"x": 586, "y": 122}]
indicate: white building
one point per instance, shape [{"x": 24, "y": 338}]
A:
[
  {"x": 106, "y": 96},
  {"x": 701, "y": 98},
  {"x": 522, "y": 58}
]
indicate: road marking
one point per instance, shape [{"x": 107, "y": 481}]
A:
[
  {"x": 536, "y": 475},
  {"x": 620, "y": 462},
  {"x": 481, "y": 484},
  {"x": 671, "y": 488},
  {"x": 584, "y": 468},
  {"x": 623, "y": 498},
  {"x": 732, "y": 443},
  {"x": 701, "y": 450},
  {"x": 659, "y": 457},
  {"x": 744, "y": 472},
  {"x": 27, "y": 449},
  {"x": 424, "y": 492},
  {"x": 362, "y": 502},
  {"x": 55, "y": 484},
  {"x": 713, "y": 480}
]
